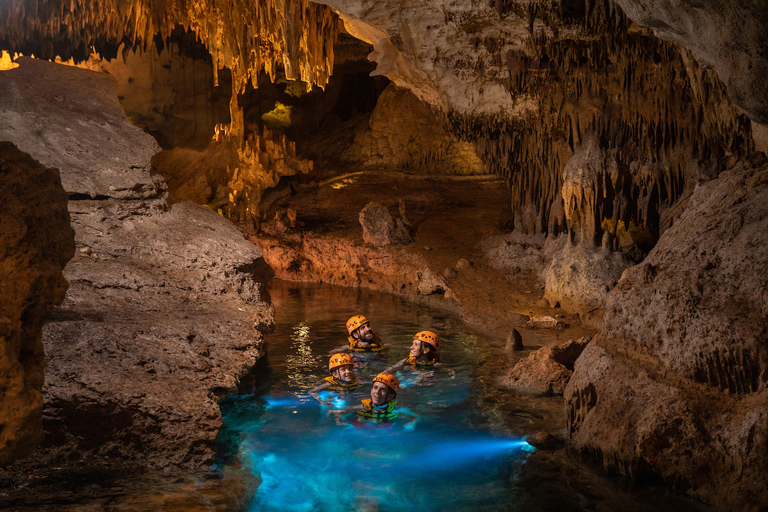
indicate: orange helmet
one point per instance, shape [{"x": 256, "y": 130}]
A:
[
  {"x": 428, "y": 337},
  {"x": 388, "y": 379},
  {"x": 355, "y": 322},
  {"x": 339, "y": 360}
]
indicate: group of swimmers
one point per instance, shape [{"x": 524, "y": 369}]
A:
[{"x": 382, "y": 406}]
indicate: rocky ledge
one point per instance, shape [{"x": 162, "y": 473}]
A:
[
  {"x": 165, "y": 310},
  {"x": 675, "y": 384}
]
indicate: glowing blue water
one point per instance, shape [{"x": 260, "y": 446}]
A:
[
  {"x": 451, "y": 460},
  {"x": 465, "y": 453}
]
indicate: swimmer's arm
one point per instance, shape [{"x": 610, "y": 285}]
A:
[
  {"x": 339, "y": 350},
  {"x": 317, "y": 389},
  {"x": 415, "y": 418},
  {"x": 341, "y": 415},
  {"x": 397, "y": 366}
]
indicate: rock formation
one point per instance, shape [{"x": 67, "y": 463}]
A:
[
  {"x": 547, "y": 370},
  {"x": 380, "y": 228},
  {"x": 36, "y": 241},
  {"x": 164, "y": 312},
  {"x": 675, "y": 384}
]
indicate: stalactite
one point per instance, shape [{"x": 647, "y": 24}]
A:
[
  {"x": 245, "y": 37},
  {"x": 648, "y": 102}
]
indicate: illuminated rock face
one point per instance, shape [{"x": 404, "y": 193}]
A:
[
  {"x": 36, "y": 241},
  {"x": 675, "y": 384},
  {"x": 164, "y": 312}
]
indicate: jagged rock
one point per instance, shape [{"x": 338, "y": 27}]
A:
[
  {"x": 303, "y": 49},
  {"x": 545, "y": 322},
  {"x": 580, "y": 276},
  {"x": 547, "y": 370},
  {"x": 428, "y": 282},
  {"x": 709, "y": 30},
  {"x": 380, "y": 228},
  {"x": 151, "y": 336},
  {"x": 36, "y": 241},
  {"x": 514, "y": 342},
  {"x": 675, "y": 384}
]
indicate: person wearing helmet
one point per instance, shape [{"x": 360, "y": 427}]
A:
[
  {"x": 342, "y": 379},
  {"x": 381, "y": 408},
  {"x": 361, "y": 337},
  {"x": 425, "y": 351}
]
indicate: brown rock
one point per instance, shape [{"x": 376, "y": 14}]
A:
[
  {"x": 514, "y": 341},
  {"x": 544, "y": 441},
  {"x": 547, "y": 370},
  {"x": 36, "y": 241},
  {"x": 675, "y": 383},
  {"x": 380, "y": 228}
]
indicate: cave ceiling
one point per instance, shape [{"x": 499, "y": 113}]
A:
[{"x": 671, "y": 90}]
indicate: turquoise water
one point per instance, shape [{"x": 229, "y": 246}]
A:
[
  {"x": 466, "y": 452},
  {"x": 452, "y": 458}
]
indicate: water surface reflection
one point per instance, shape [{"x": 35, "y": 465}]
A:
[{"x": 466, "y": 452}]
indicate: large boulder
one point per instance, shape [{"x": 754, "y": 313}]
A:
[
  {"x": 380, "y": 228},
  {"x": 36, "y": 241},
  {"x": 676, "y": 383},
  {"x": 165, "y": 309},
  {"x": 545, "y": 371}
]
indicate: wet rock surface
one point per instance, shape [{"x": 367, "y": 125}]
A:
[
  {"x": 36, "y": 241},
  {"x": 675, "y": 383}
]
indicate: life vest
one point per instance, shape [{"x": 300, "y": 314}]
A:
[
  {"x": 375, "y": 346},
  {"x": 415, "y": 361},
  {"x": 341, "y": 388},
  {"x": 378, "y": 414}
]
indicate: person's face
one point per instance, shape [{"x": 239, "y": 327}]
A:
[
  {"x": 344, "y": 373},
  {"x": 416, "y": 348},
  {"x": 379, "y": 393},
  {"x": 364, "y": 333}
]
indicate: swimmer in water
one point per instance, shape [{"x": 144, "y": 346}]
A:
[
  {"x": 361, "y": 337},
  {"x": 381, "y": 408},
  {"x": 342, "y": 379},
  {"x": 425, "y": 351}
]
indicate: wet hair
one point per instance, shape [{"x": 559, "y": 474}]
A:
[{"x": 432, "y": 353}]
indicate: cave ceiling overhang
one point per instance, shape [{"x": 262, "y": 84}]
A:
[{"x": 455, "y": 55}]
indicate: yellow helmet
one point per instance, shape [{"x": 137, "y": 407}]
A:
[
  {"x": 388, "y": 379},
  {"x": 339, "y": 360},
  {"x": 355, "y": 322},
  {"x": 428, "y": 337}
]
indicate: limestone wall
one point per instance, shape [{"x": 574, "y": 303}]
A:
[
  {"x": 36, "y": 241},
  {"x": 165, "y": 310}
]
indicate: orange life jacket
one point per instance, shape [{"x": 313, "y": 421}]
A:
[{"x": 341, "y": 388}]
